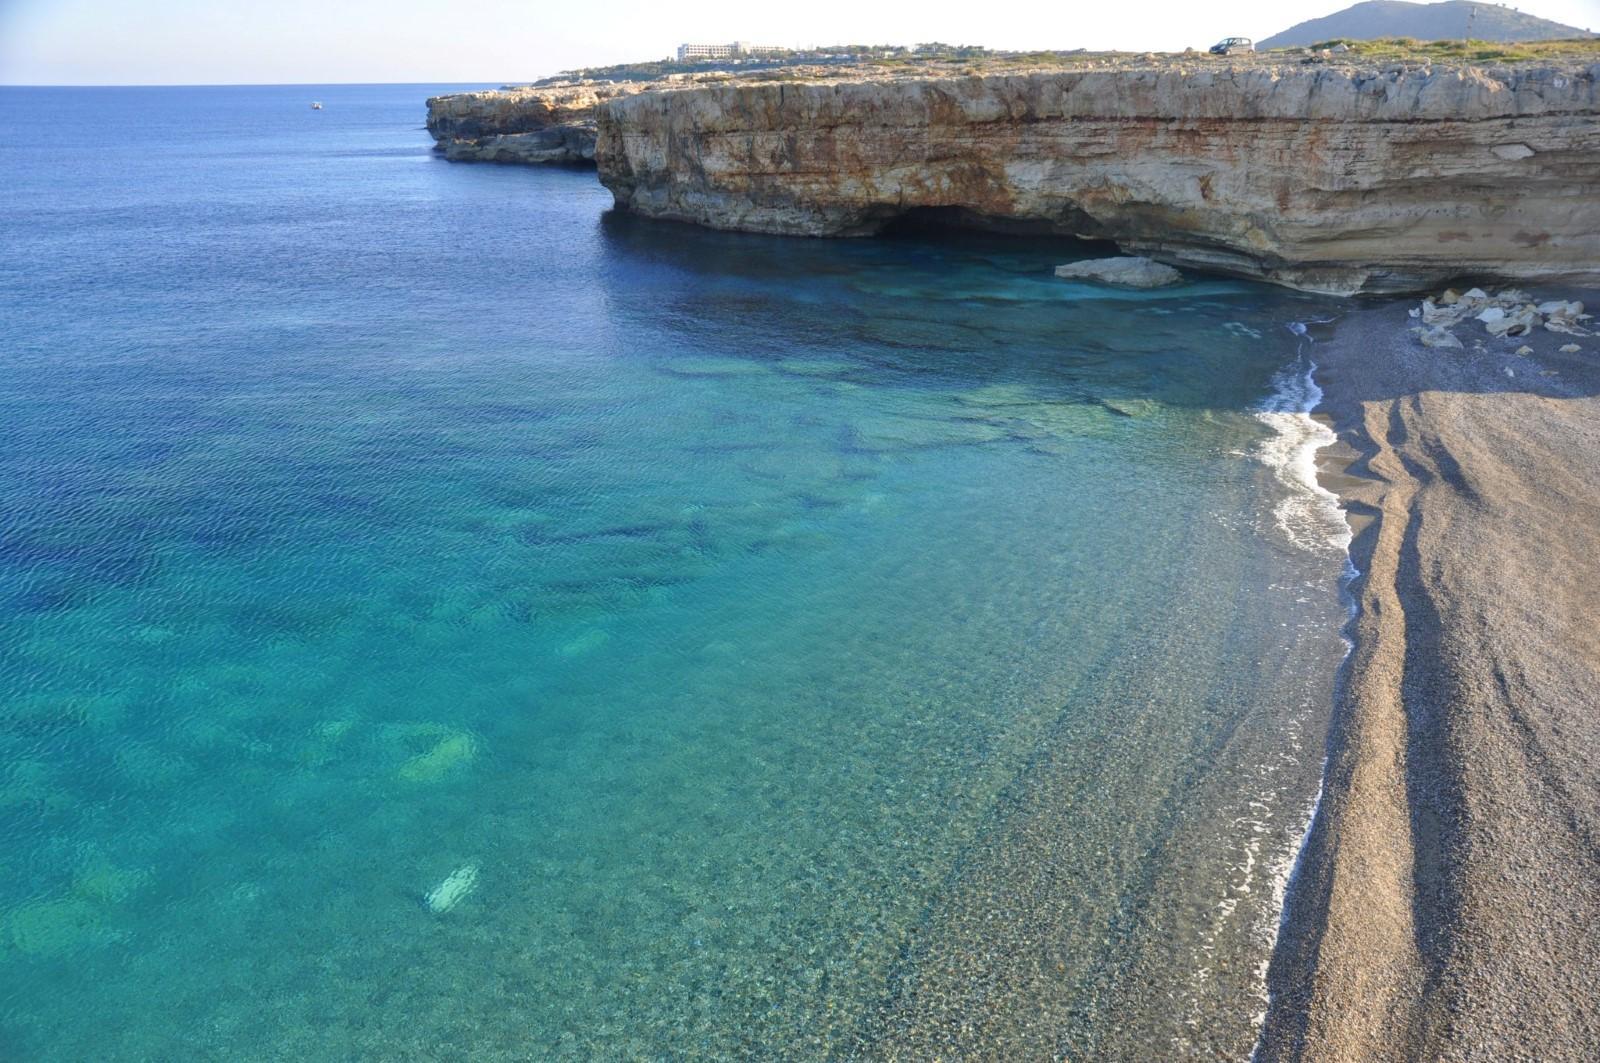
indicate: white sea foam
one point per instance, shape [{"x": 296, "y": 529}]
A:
[
  {"x": 1308, "y": 515},
  {"x": 1271, "y": 833}
]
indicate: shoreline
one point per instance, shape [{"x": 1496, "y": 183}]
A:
[
  {"x": 1445, "y": 900},
  {"x": 987, "y": 971},
  {"x": 1324, "y": 464}
]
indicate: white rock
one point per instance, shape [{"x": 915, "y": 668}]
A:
[
  {"x": 1433, "y": 314},
  {"x": 449, "y": 893},
  {"x": 1492, "y": 314},
  {"x": 1518, "y": 322},
  {"x": 1512, "y": 152},
  {"x": 1437, "y": 337},
  {"x": 1524, "y": 350},
  {"x": 1474, "y": 295},
  {"x": 1570, "y": 348},
  {"x": 1124, "y": 272}
]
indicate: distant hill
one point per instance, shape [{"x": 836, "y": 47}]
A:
[{"x": 1377, "y": 19}]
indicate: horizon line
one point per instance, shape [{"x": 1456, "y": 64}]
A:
[{"x": 251, "y": 84}]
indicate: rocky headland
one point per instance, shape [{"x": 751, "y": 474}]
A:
[
  {"x": 1312, "y": 173},
  {"x": 555, "y": 124}
]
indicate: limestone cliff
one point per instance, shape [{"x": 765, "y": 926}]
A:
[
  {"x": 525, "y": 125},
  {"x": 1317, "y": 176},
  {"x": 536, "y": 123}
]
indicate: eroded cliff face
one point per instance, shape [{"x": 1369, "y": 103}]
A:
[
  {"x": 1326, "y": 178},
  {"x": 530, "y": 125}
]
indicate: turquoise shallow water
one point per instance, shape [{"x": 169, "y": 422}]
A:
[{"x": 443, "y": 617}]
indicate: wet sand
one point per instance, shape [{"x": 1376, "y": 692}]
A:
[{"x": 1447, "y": 904}]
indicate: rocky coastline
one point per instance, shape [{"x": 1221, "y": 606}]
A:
[
  {"x": 521, "y": 125},
  {"x": 1329, "y": 177},
  {"x": 1445, "y": 904}
]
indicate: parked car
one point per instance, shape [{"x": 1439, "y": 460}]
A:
[{"x": 1232, "y": 45}]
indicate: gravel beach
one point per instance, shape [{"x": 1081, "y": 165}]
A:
[{"x": 1447, "y": 903}]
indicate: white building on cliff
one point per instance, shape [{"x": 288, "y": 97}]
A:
[{"x": 727, "y": 51}]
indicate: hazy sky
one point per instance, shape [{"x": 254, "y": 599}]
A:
[{"x": 124, "y": 42}]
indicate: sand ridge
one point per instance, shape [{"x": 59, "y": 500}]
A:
[{"x": 1446, "y": 902}]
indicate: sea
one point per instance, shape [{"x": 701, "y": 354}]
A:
[{"x": 443, "y": 617}]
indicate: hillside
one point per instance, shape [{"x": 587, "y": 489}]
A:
[{"x": 1426, "y": 22}]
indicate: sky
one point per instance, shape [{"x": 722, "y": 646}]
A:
[{"x": 209, "y": 42}]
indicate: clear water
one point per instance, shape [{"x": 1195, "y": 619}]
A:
[{"x": 442, "y": 617}]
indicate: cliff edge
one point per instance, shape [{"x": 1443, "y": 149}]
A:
[
  {"x": 521, "y": 125},
  {"x": 1319, "y": 176}
]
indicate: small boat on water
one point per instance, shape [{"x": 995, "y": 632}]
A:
[{"x": 315, "y": 106}]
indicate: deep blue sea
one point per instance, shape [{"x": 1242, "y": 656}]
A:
[{"x": 443, "y": 618}]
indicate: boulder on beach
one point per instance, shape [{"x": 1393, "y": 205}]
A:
[
  {"x": 1132, "y": 272},
  {"x": 1437, "y": 336},
  {"x": 1506, "y": 314}
]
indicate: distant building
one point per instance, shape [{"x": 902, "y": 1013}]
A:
[{"x": 726, "y": 51}]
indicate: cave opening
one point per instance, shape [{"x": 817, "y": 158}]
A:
[{"x": 963, "y": 224}]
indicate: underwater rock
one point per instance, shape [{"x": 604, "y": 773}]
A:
[
  {"x": 1132, "y": 407},
  {"x": 332, "y": 730},
  {"x": 31, "y": 783},
  {"x": 894, "y": 432},
  {"x": 449, "y": 893},
  {"x": 817, "y": 367},
  {"x": 587, "y": 642},
  {"x": 710, "y": 366},
  {"x": 1132, "y": 272},
  {"x": 152, "y": 766},
  {"x": 53, "y": 927},
  {"x": 325, "y": 739},
  {"x": 83, "y": 916},
  {"x": 448, "y": 753},
  {"x": 101, "y": 882}
]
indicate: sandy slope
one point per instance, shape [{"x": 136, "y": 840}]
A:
[{"x": 1448, "y": 902}]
